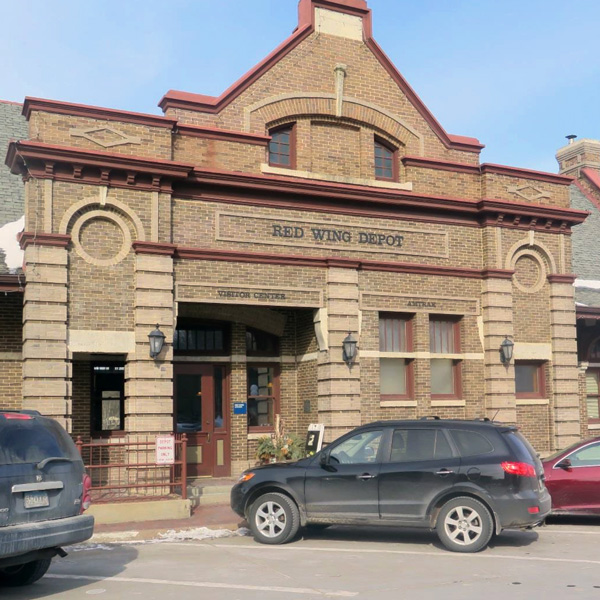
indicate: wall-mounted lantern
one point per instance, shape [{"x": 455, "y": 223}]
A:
[
  {"x": 157, "y": 340},
  {"x": 349, "y": 350},
  {"x": 506, "y": 351}
]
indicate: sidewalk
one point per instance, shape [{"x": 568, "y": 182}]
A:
[{"x": 217, "y": 516}]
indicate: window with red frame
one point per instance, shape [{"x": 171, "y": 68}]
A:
[
  {"x": 385, "y": 161},
  {"x": 282, "y": 147},
  {"x": 395, "y": 374},
  {"x": 444, "y": 338},
  {"x": 529, "y": 379},
  {"x": 592, "y": 388},
  {"x": 263, "y": 397}
]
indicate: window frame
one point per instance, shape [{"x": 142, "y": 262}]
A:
[
  {"x": 540, "y": 376},
  {"x": 95, "y": 400},
  {"x": 276, "y": 396},
  {"x": 379, "y": 141},
  {"x": 596, "y": 373},
  {"x": 292, "y": 145},
  {"x": 191, "y": 324},
  {"x": 457, "y": 392},
  {"x": 257, "y": 333},
  {"x": 409, "y": 362}
]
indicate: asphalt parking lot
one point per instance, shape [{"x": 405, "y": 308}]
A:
[{"x": 560, "y": 560}]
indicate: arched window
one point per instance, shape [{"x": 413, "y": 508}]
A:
[
  {"x": 385, "y": 161},
  {"x": 282, "y": 147}
]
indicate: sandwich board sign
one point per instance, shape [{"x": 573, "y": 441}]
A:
[{"x": 314, "y": 438}]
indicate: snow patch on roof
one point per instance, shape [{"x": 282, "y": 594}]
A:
[
  {"x": 590, "y": 284},
  {"x": 10, "y": 245}
]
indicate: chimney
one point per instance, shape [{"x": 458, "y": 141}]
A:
[
  {"x": 577, "y": 155},
  {"x": 341, "y": 18}
]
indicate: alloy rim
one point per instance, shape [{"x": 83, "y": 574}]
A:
[
  {"x": 463, "y": 525},
  {"x": 270, "y": 519}
]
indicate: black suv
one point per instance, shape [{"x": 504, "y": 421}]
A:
[
  {"x": 43, "y": 493},
  {"x": 465, "y": 479}
]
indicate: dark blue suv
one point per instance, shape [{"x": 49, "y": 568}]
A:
[
  {"x": 43, "y": 492},
  {"x": 465, "y": 479}
]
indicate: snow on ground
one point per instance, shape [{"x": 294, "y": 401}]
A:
[
  {"x": 8, "y": 243},
  {"x": 200, "y": 533}
]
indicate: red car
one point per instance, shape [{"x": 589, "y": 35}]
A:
[{"x": 573, "y": 478}]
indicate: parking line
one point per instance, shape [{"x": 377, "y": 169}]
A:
[
  {"x": 206, "y": 584},
  {"x": 440, "y": 554}
]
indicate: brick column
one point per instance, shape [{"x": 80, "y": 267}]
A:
[
  {"x": 422, "y": 368},
  {"x": 497, "y": 312},
  {"x": 567, "y": 418},
  {"x": 46, "y": 366},
  {"x": 339, "y": 387},
  {"x": 149, "y": 381},
  {"x": 241, "y": 451}
]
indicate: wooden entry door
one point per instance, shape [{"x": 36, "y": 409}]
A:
[{"x": 202, "y": 413}]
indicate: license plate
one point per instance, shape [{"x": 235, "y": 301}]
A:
[{"x": 36, "y": 499}]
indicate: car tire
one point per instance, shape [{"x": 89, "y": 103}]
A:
[
  {"x": 25, "y": 574},
  {"x": 274, "y": 519},
  {"x": 464, "y": 525}
]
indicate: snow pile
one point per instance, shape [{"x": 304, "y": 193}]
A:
[
  {"x": 200, "y": 533},
  {"x": 590, "y": 284},
  {"x": 8, "y": 243}
]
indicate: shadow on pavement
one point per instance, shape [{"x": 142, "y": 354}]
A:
[
  {"x": 396, "y": 535},
  {"x": 87, "y": 560},
  {"x": 573, "y": 520}
]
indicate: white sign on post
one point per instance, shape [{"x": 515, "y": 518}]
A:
[
  {"x": 314, "y": 438},
  {"x": 165, "y": 450}
]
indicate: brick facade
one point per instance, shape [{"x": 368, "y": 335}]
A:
[{"x": 134, "y": 220}]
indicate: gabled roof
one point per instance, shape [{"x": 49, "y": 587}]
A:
[{"x": 306, "y": 26}]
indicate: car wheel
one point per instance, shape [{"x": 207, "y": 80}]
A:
[
  {"x": 464, "y": 525},
  {"x": 274, "y": 519},
  {"x": 26, "y": 574}
]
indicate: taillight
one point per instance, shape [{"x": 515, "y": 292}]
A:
[
  {"x": 519, "y": 468},
  {"x": 17, "y": 416},
  {"x": 86, "y": 498}
]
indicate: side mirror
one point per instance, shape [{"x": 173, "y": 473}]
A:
[
  {"x": 565, "y": 463},
  {"x": 324, "y": 459}
]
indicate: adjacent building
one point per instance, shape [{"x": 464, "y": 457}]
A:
[{"x": 315, "y": 198}]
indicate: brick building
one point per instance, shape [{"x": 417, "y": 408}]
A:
[
  {"x": 580, "y": 159},
  {"x": 316, "y": 197}
]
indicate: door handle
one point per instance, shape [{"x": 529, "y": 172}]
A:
[
  {"x": 365, "y": 476},
  {"x": 208, "y": 439},
  {"x": 444, "y": 472}
]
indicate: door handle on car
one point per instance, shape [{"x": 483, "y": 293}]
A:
[
  {"x": 366, "y": 476},
  {"x": 444, "y": 472}
]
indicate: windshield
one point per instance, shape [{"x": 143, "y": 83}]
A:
[
  {"x": 32, "y": 441},
  {"x": 559, "y": 452}
]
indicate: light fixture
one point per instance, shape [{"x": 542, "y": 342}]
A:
[
  {"x": 157, "y": 339},
  {"x": 506, "y": 351},
  {"x": 349, "y": 350}
]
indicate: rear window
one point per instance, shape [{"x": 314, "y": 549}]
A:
[
  {"x": 471, "y": 443},
  {"x": 31, "y": 441},
  {"x": 521, "y": 447}
]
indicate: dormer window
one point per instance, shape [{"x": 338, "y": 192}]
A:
[
  {"x": 385, "y": 161},
  {"x": 282, "y": 147}
]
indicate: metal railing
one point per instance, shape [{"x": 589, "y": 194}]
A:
[{"x": 123, "y": 471}]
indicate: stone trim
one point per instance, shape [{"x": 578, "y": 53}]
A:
[
  {"x": 103, "y": 202},
  {"x": 390, "y": 185},
  {"x": 531, "y": 244},
  {"x": 532, "y": 401},
  {"x": 34, "y": 238},
  {"x": 11, "y": 356},
  {"x": 443, "y": 403},
  {"x": 384, "y": 301},
  {"x": 99, "y": 215},
  {"x": 96, "y": 341},
  {"x": 398, "y": 403}
]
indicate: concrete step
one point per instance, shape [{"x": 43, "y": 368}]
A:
[{"x": 204, "y": 493}]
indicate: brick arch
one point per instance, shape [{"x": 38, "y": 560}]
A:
[
  {"x": 282, "y": 106},
  {"x": 536, "y": 250},
  {"x": 116, "y": 205}
]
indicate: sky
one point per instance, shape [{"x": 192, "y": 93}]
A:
[{"x": 517, "y": 75}]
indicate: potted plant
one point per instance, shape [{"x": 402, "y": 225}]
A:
[{"x": 280, "y": 446}]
